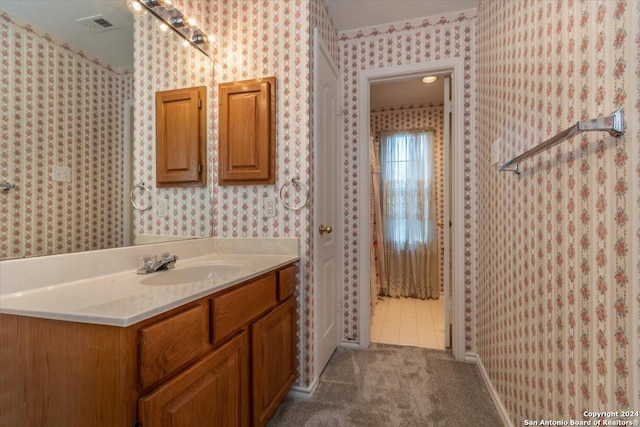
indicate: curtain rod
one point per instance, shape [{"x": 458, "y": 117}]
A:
[
  {"x": 613, "y": 124},
  {"x": 391, "y": 132}
]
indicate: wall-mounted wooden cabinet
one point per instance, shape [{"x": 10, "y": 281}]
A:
[
  {"x": 181, "y": 134},
  {"x": 246, "y": 146}
]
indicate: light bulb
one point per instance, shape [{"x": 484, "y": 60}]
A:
[
  {"x": 167, "y": 4},
  {"x": 136, "y": 8},
  {"x": 192, "y": 22}
]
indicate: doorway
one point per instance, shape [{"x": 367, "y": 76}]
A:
[
  {"x": 453, "y": 251},
  {"x": 407, "y": 141}
]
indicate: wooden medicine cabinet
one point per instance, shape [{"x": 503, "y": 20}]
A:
[
  {"x": 181, "y": 137},
  {"x": 246, "y": 147}
]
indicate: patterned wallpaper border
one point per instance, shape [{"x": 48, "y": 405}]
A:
[{"x": 408, "y": 25}]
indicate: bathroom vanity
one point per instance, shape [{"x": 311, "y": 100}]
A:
[{"x": 184, "y": 348}]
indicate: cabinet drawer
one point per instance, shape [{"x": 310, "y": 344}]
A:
[
  {"x": 172, "y": 343},
  {"x": 236, "y": 308},
  {"x": 286, "y": 282}
]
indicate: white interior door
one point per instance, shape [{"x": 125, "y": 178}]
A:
[
  {"x": 326, "y": 211},
  {"x": 448, "y": 292}
]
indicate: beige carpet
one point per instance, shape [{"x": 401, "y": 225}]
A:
[{"x": 393, "y": 386}]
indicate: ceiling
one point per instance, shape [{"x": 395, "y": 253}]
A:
[
  {"x": 350, "y": 14},
  {"x": 406, "y": 92}
]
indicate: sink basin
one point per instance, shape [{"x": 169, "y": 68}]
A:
[{"x": 198, "y": 273}]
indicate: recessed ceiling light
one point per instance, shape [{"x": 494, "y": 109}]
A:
[{"x": 429, "y": 79}]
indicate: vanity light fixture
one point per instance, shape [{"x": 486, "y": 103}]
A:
[
  {"x": 429, "y": 79},
  {"x": 173, "y": 19}
]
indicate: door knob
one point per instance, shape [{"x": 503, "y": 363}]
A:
[
  {"x": 440, "y": 223},
  {"x": 325, "y": 229}
]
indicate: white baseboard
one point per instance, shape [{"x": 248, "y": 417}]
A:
[
  {"x": 350, "y": 344},
  {"x": 303, "y": 393},
  {"x": 502, "y": 411}
]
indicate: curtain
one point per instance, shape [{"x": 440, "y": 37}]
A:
[
  {"x": 409, "y": 215},
  {"x": 378, "y": 272}
]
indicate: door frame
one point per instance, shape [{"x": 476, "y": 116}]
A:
[
  {"x": 128, "y": 228},
  {"x": 454, "y": 67},
  {"x": 320, "y": 48}
]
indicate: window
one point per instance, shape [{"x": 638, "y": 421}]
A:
[{"x": 406, "y": 172}]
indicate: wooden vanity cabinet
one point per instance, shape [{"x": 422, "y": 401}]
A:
[
  {"x": 57, "y": 373},
  {"x": 172, "y": 370}
]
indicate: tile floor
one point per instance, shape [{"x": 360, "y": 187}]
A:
[{"x": 408, "y": 321}]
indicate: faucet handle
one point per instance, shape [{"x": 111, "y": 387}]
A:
[
  {"x": 167, "y": 255},
  {"x": 146, "y": 261}
]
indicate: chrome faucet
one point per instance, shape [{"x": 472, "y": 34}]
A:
[{"x": 151, "y": 264}]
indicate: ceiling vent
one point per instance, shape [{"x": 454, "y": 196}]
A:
[{"x": 97, "y": 24}]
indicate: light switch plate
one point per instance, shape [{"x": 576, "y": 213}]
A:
[
  {"x": 495, "y": 151},
  {"x": 61, "y": 174},
  {"x": 163, "y": 207},
  {"x": 269, "y": 207}
]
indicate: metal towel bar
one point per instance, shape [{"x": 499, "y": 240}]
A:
[{"x": 614, "y": 124}]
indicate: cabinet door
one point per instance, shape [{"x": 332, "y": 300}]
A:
[
  {"x": 273, "y": 346},
  {"x": 247, "y": 132},
  {"x": 180, "y": 137},
  {"x": 213, "y": 392}
]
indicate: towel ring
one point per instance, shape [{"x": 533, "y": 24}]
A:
[
  {"x": 296, "y": 183},
  {"x": 131, "y": 197}
]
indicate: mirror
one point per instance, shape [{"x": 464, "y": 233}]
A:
[{"x": 75, "y": 141}]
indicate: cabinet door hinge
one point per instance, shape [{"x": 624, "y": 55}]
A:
[
  {"x": 199, "y": 103},
  {"x": 200, "y": 168}
]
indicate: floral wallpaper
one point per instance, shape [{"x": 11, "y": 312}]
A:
[
  {"x": 251, "y": 39},
  {"x": 59, "y": 108},
  {"x": 558, "y": 282},
  {"x": 412, "y": 118},
  {"x": 420, "y": 40}
]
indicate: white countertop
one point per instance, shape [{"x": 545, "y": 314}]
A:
[{"x": 120, "y": 299}]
